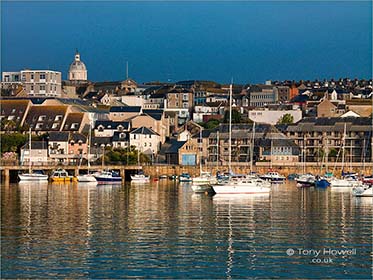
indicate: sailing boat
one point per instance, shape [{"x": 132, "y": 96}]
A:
[
  {"x": 203, "y": 182},
  {"x": 87, "y": 178},
  {"x": 239, "y": 184},
  {"x": 32, "y": 176},
  {"x": 140, "y": 177},
  {"x": 347, "y": 182}
]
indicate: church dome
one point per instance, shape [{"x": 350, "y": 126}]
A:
[
  {"x": 77, "y": 70},
  {"x": 77, "y": 66}
]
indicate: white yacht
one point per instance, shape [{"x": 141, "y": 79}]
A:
[
  {"x": 242, "y": 186},
  {"x": 32, "y": 175},
  {"x": 86, "y": 178}
]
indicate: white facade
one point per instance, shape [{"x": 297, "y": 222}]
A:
[
  {"x": 77, "y": 70},
  {"x": 144, "y": 142},
  {"x": 273, "y": 116}
]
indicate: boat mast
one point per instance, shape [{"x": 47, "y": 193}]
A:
[
  {"x": 230, "y": 129},
  {"x": 217, "y": 150},
  {"x": 29, "y": 158},
  {"x": 343, "y": 146},
  {"x": 200, "y": 152},
  {"x": 252, "y": 149},
  {"x": 271, "y": 152},
  {"x": 89, "y": 145}
]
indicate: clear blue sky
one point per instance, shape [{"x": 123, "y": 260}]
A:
[{"x": 249, "y": 41}]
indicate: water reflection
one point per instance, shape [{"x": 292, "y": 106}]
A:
[{"x": 164, "y": 230}]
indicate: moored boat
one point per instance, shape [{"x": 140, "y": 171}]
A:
[
  {"x": 86, "y": 178},
  {"x": 33, "y": 176},
  {"x": 242, "y": 186},
  {"x": 203, "y": 182},
  {"x": 362, "y": 190},
  {"x": 60, "y": 175},
  {"x": 140, "y": 178},
  {"x": 273, "y": 177},
  {"x": 185, "y": 177},
  {"x": 108, "y": 176}
]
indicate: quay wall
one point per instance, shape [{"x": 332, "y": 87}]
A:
[{"x": 9, "y": 172}]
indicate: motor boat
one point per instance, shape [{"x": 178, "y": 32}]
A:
[
  {"x": 60, "y": 175},
  {"x": 274, "y": 177},
  {"x": 306, "y": 180},
  {"x": 108, "y": 176},
  {"x": 185, "y": 177}
]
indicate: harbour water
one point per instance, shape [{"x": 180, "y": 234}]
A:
[{"x": 163, "y": 230}]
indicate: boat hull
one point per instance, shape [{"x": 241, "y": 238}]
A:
[
  {"x": 245, "y": 189},
  {"x": 86, "y": 178},
  {"x": 33, "y": 177},
  {"x": 361, "y": 191}
]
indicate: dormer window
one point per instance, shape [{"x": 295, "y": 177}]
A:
[
  {"x": 74, "y": 126},
  {"x": 120, "y": 128},
  {"x": 58, "y": 118},
  {"x": 13, "y": 111},
  {"x": 41, "y": 118},
  {"x": 101, "y": 128},
  {"x": 55, "y": 125}
]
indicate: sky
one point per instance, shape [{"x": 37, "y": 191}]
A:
[{"x": 250, "y": 42}]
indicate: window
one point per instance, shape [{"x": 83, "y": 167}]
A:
[
  {"x": 32, "y": 88},
  {"x": 42, "y": 87},
  {"x": 150, "y": 144},
  {"x": 42, "y": 76},
  {"x": 32, "y": 76}
]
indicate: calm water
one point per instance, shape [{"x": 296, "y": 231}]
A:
[{"x": 165, "y": 231}]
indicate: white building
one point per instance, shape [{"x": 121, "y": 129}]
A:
[
  {"x": 145, "y": 140},
  {"x": 77, "y": 70},
  {"x": 44, "y": 83},
  {"x": 273, "y": 116},
  {"x": 39, "y": 153}
]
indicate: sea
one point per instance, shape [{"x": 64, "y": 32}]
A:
[{"x": 164, "y": 230}]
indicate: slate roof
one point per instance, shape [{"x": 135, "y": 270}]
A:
[
  {"x": 36, "y": 145},
  {"x": 55, "y": 136},
  {"x": 15, "y": 109},
  {"x": 155, "y": 114},
  {"x": 144, "y": 130},
  {"x": 73, "y": 118},
  {"x": 125, "y": 109},
  {"x": 76, "y": 137},
  {"x": 112, "y": 125},
  {"x": 42, "y": 118},
  {"x": 174, "y": 146},
  {"x": 97, "y": 141},
  {"x": 118, "y": 138}
]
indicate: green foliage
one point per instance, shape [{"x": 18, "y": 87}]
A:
[
  {"x": 12, "y": 142},
  {"x": 210, "y": 124},
  {"x": 125, "y": 155},
  {"x": 286, "y": 119},
  {"x": 236, "y": 116}
]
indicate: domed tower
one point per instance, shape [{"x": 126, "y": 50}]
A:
[{"x": 77, "y": 71}]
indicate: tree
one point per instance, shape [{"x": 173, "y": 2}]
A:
[
  {"x": 286, "y": 119},
  {"x": 210, "y": 124},
  {"x": 236, "y": 116},
  {"x": 12, "y": 142}
]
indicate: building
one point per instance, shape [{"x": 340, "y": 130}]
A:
[
  {"x": 262, "y": 95},
  {"x": 39, "y": 153},
  {"x": 182, "y": 152},
  {"x": 41, "y": 83},
  {"x": 13, "y": 113},
  {"x": 78, "y": 70},
  {"x": 109, "y": 128},
  {"x": 145, "y": 140},
  {"x": 273, "y": 116},
  {"x": 324, "y": 137}
]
